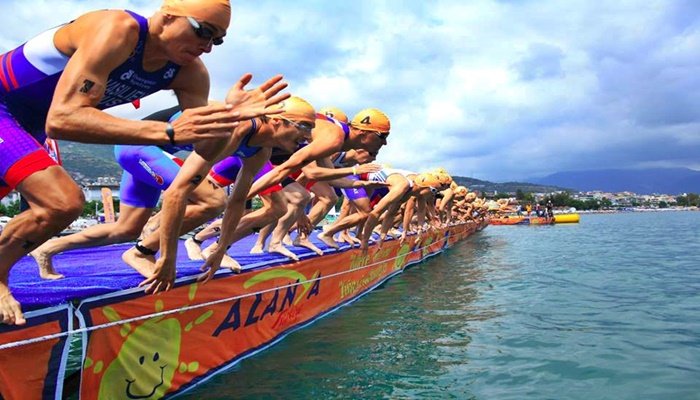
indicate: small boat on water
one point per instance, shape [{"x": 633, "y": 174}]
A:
[{"x": 535, "y": 220}]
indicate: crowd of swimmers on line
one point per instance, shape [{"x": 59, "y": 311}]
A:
[{"x": 271, "y": 144}]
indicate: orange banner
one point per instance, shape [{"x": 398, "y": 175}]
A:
[
  {"x": 198, "y": 330},
  {"x": 36, "y": 370},
  {"x": 108, "y": 205}
]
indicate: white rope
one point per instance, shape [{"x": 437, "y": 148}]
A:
[{"x": 25, "y": 342}]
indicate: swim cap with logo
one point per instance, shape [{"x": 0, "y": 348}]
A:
[
  {"x": 215, "y": 12},
  {"x": 371, "y": 119},
  {"x": 427, "y": 179},
  {"x": 335, "y": 113},
  {"x": 297, "y": 109},
  {"x": 443, "y": 176}
]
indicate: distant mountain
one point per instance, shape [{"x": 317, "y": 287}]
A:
[
  {"x": 641, "y": 181},
  {"x": 89, "y": 161},
  {"x": 505, "y": 187}
]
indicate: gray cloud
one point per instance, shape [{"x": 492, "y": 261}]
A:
[{"x": 501, "y": 89}]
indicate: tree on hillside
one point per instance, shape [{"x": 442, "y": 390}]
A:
[
  {"x": 688, "y": 200},
  {"x": 10, "y": 210}
]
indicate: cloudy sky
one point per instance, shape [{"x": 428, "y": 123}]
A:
[{"x": 497, "y": 90}]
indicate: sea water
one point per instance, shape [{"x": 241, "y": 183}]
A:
[{"x": 605, "y": 309}]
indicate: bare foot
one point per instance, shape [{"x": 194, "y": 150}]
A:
[
  {"x": 257, "y": 249},
  {"x": 194, "y": 252},
  {"x": 10, "y": 310},
  {"x": 143, "y": 264},
  {"x": 328, "y": 240},
  {"x": 280, "y": 249},
  {"x": 287, "y": 241},
  {"x": 305, "y": 242},
  {"x": 226, "y": 261},
  {"x": 230, "y": 263},
  {"x": 208, "y": 251},
  {"x": 344, "y": 237},
  {"x": 356, "y": 240},
  {"x": 46, "y": 270}
]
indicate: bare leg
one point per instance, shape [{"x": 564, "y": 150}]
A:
[
  {"x": 206, "y": 202},
  {"x": 363, "y": 208},
  {"x": 126, "y": 228},
  {"x": 264, "y": 233},
  {"x": 55, "y": 201},
  {"x": 325, "y": 200},
  {"x": 297, "y": 198},
  {"x": 151, "y": 226}
]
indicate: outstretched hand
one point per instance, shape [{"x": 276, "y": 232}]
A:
[
  {"x": 304, "y": 225},
  {"x": 213, "y": 121},
  {"x": 368, "y": 168},
  {"x": 212, "y": 264},
  {"x": 163, "y": 277},
  {"x": 256, "y": 102}
]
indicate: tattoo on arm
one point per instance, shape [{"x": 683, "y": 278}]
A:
[
  {"x": 196, "y": 180},
  {"x": 87, "y": 85}
]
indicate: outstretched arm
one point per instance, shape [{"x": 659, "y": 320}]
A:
[
  {"x": 98, "y": 43},
  {"x": 323, "y": 170},
  {"x": 192, "y": 173},
  {"x": 396, "y": 192},
  {"x": 234, "y": 211}
]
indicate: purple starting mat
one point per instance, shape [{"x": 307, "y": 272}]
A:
[{"x": 100, "y": 270}]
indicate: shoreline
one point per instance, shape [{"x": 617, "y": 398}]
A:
[{"x": 634, "y": 209}]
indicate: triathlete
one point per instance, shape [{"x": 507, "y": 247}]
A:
[
  {"x": 368, "y": 130},
  {"x": 57, "y": 82},
  {"x": 147, "y": 170}
]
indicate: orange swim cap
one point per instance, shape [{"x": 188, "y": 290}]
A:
[
  {"x": 335, "y": 113},
  {"x": 215, "y": 12},
  {"x": 371, "y": 119},
  {"x": 443, "y": 176},
  {"x": 297, "y": 109},
  {"x": 427, "y": 179}
]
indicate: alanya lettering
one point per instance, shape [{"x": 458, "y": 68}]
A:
[
  {"x": 358, "y": 261},
  {"x": 254, "y": 314},
  {"x": 348, "y": 288}
]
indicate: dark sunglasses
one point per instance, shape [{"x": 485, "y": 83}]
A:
[
  {"x": 381, "y": 135},
  {"x": 204, "y": 32}
]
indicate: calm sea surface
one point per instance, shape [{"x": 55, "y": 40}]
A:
[{"x": 605, "y": 309}]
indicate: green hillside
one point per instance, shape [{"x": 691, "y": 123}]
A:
[
  {"x": 89, "y": 161},
  {"x": 505, "y": 187}
]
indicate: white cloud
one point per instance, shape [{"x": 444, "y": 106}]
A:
[{"x": 505, "y": 90}]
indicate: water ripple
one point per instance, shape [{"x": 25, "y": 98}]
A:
[{"x": 606, "y": 309}]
